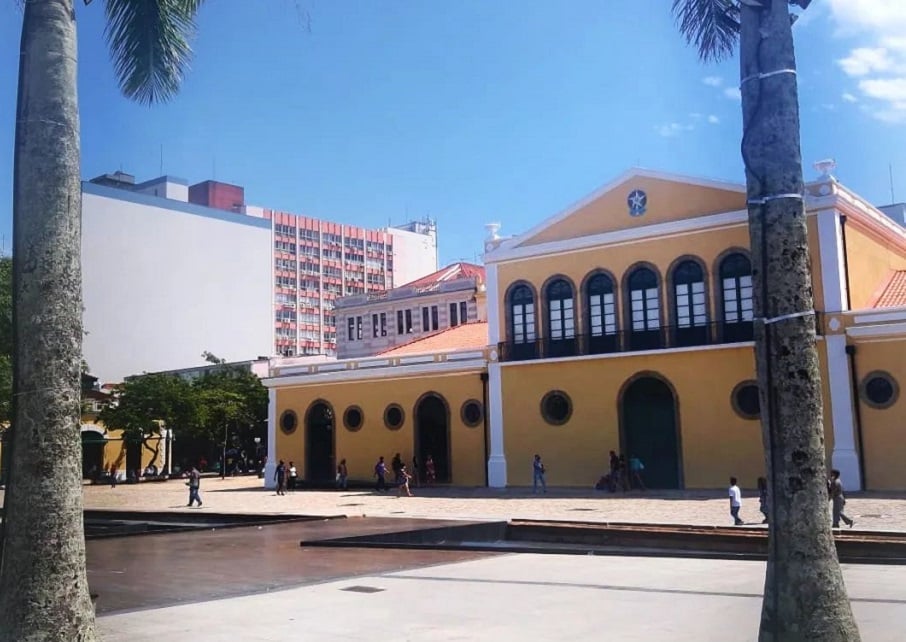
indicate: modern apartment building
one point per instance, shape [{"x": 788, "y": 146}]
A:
[
  {"x": 373, "y": 323},
  {"x": 316, "y": 262}
]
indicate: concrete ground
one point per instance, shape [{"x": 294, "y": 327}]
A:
[
  {"x": 517, "y": 597},
  {"x": 246, "y": 495}
]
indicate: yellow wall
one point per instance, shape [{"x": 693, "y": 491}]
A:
[
  {"x": 882, "y": 429},
  {"x": 667, "y": 201},
  {"x": 661, "y": 252},
  {"x": 362, "y": 448},
  {"x": 870, "y": 261},
  {"x": 814, "y": 252},
  {"x": 714, "y": 440}
]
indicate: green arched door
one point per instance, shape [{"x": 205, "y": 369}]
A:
[{"x": 649, "y": 425}]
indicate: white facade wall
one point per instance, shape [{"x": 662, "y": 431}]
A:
[
  {"x": 164, "y": 280},
  {"x": 414, "y": 255}
]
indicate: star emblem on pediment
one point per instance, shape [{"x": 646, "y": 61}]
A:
[{"x": 638, "y": 202}]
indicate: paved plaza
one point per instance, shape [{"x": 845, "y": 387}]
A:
[
  {"x": 246, "y": 495},
  {"x": 517, "y": 597}
]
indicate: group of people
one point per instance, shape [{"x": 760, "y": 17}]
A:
[
  {"x": 623, "y": 475},
  {"x": 834, "y": 494},
  {"x": 401, "y": 475}
]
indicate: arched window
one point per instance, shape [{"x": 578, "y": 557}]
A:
[
  {"x": 736, "y": 292},
  {"x": 522, "y": 322},
  {"x": 561, "y": 318},
  {"x": 644, "y": 310},
  {"x": 689, "y": 308},
  {"x": 602, "y": 314}
]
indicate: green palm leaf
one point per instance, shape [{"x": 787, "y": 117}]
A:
[
  {"x": 149, "y": 44},
  {"x": 711, "y": 25}
]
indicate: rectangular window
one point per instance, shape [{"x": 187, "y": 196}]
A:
[
  {"x": 358, "y": 328},
  {"x": 434, "y": 323},
  {"x": 524, "y": 323},
  {"x": 374, "y": 326},
  {"x": 463, "y": 312},
  {"x": 383, "y": 324},
  {"x": 690, "y": 305},
  {"x": 603, "y": 316},
  {"x": 425, "y": 319},
  {"x": 408, "y": 321},
  {"x": 350, "y": 329},
  {"x": 399, "y": 321},
  {"x": 454, "y": 319},
  {"x": 645, "y": 310}
]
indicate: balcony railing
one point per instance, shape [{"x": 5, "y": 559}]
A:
[{"x": 628, "y": 341}]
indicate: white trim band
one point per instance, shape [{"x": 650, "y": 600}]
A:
[
  {"x": 774, "y": 197},
  {"x": 766, "y": 75},
  {"x": 786, "y": 317}
]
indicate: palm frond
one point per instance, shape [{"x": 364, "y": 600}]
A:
[
  {"x": 711, "y": 25},
  {"x": 149, "y": 44}
]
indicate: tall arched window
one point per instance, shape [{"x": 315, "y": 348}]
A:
[
  {"x": 561, "y": 318},
  {"x": 736, "y": 292},
  {"x": 644, "y": 310},
  {"x": 522, "y": 322},
  {"x": 689, "y": 308},
  {"x": 602, "y": 314}
]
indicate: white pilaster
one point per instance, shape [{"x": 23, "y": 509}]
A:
[
  {"x": 844, "y": 458},
  {"x": 271, "y": 464},
  {"x": 497, "y": 455},
  {"x": 830, "y": 247},
  {"x": 493, "y": 303}
]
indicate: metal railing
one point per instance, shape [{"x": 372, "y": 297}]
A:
[{"x": 716, "y": 333}]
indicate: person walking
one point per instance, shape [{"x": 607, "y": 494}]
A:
[
  {"x": 838, "y": 501},
  {"x": 380, "y": 471},
  {"x": 280, "y": 478},
  {"x": 293, "y": 474},
  {"x": 430, "y": 472},
  {"x": 342, "y": 475},
  {"x": 735, "y": 502},
  {"x": 194, "y": 485},
  {"x": 635, "y": 469},
  {"x": 538, "y": 471},
  {"x": 763, "y": 498},
  {"x": 404, "y": 478},
  {"x": 396, "y": 465}
]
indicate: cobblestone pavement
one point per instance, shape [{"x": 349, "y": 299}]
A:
[{"x": 872, "y": 511}]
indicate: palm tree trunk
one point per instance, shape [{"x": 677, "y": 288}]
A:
[
  {"x": 43, "y": 582},
  {"x": 804, "y": 594}
]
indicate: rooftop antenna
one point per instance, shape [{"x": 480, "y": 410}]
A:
[{"x": 893, "y": 198}]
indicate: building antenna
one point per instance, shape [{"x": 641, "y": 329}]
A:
[{"x": 893, "y": 198}]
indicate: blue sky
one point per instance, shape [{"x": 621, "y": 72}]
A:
[{"x": 369, "y": 111}]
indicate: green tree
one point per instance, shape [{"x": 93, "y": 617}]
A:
[
  {"x": 804, "y": 595},
  {"x": 142, "y": 406},
  {"x": 43, "y": 582}
]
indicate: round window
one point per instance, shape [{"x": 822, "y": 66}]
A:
[
  {"x": 556, "y": 407},
  {"x": 289, "y": 421},
  {"x": 879, "y": 389},
  {"x": 472, "y": 413},
  {"x": 745, "y": 400},
  {"x": 394, "y": 416},
  {"x": 353, "y": 418}
]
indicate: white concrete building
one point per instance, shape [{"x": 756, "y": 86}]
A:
[{"x": 165, "y": 279}]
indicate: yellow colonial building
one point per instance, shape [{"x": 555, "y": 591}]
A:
[{"x": 622, "y": 323}]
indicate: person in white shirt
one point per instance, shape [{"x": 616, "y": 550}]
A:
[{"x": 735, "y": 502}]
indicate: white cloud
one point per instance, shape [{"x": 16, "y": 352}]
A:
[
  {"x": 673, "y": 129},
  {"x": 880, "y": 59},
  {"x": 714, "y": 120},
  {"x": 713, "y": 81},
  {"x": 849, "y": 98},
  {"x": 733, "y": 93}
]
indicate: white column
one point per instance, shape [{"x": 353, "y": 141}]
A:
[
  {"x": 497, "y": 455},
  {"x": 493, "y": 303},
  {"x": 271, "y": 464},
  {"x": 844, "y": 457},
  {"x": 830, "y": 247}
]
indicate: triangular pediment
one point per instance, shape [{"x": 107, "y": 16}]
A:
[{"x": 637, "y": 199}]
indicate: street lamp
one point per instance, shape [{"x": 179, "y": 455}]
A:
[{"x": 223, "y": 459}]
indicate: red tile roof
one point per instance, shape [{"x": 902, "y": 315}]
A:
[
  {"x": 894, "y": 294},
  {"x": 469, "y": 336},
  {"x": 449, "y": 273}
]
